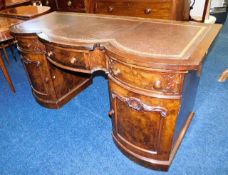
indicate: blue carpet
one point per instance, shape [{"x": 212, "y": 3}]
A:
[{"x": 76, "y": 139}]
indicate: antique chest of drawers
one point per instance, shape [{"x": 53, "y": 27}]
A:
[
  {"x": 66, "y": 5},
  {"x": 153, "y": 69},
  {"x": 160, "y": 9}
]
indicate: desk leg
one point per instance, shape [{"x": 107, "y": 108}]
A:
[{"x": 6, "y": 74}]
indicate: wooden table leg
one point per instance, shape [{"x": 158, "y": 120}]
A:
[
  {"x": 224, "y": 76},
  {"x": 6, "y": 55},
  {"x": 6, "y": 74}
]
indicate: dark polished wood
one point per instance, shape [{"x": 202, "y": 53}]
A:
[
  {"x": 153, "y": 68},
  {"x": 25, "y": 12},
  {"x": 161, "y": 9},
  {"x": 5, "y": 36},
  {"x": 165, "y": 9},
  {"x": 2, "y": 4}
]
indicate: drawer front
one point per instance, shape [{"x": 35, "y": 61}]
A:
[
  {"x": 68, "y": 57},
  {"x": 152, "y": 9},
  {"x": 30, "y": 44},
  {"x": 71, "y": 5},
  {"x": 50, "y": 3},
  {"x": 167, "y": 83}
]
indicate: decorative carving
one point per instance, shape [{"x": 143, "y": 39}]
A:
[
  {"x": 138, "y": 105},
  {"x": 28, "y": 61},
  {"x": 112, "y": 69},
  {"x": 36, "y": 46}
]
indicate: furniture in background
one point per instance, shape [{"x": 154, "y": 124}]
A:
[
  {"x": 4, "y": 45},
  {"x": 152, "y": 80},
  {"x": 165, "y": 9},
  {"x": 6, "y": 38},
  {"x": 8, "y": 18},
  {"x": 16, "y": 3},
  {"x": 25, "y": 12},
  {"x": 2, "y": 4},
  {"x": 224, "y": 76}
]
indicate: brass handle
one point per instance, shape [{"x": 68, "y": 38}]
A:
[
  {"x": 157, "y": 85},
  {"x": 69, "y": 3},
  {"x": 110, "y": 9},
  {"x": 53, "y": 77},
  {"x": 46, "y": 79},
  {"x": 29, "y": 45},
  {"x": 73, "y": 60},
  {"x": 47, "y": 2},
  {"x": 147, "y": 11},
  {"x": 116, "y": 72}
]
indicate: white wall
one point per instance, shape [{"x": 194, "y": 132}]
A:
[{"x": 199, "y": 6}]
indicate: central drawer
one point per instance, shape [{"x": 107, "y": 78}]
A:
[
  {"x": 150, "y": 9},
  {"x": 71, "y": 58}
]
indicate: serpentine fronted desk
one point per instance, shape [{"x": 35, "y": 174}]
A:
[{"x": 153, "y": 69}]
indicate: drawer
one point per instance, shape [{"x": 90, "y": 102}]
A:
[
  {"x": 50, "y": 3},
  {"x": 151, "y": 9},
  {"x": 167, "y": 83},
  {"x": 68, "y": 57},
  {"x": 71, "y": 5},
  {"x": 29, "y": 44}
]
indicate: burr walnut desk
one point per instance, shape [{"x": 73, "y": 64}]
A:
[{"x": 153, "y": 67}]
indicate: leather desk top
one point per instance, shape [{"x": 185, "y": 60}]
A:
[
  {"x": 5, "y": 23},
  {"x": 144, "y": 41},
  {"x": 25, "y": 12}
]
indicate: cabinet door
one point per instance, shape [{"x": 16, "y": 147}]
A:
[
  {"x": 39, "y": 79},
  {"x": 141, "y": 124}
]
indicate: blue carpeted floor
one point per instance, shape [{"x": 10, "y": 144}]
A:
[{"x": 77, "y": 138}]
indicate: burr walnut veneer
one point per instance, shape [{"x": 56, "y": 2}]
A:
[{"x": 153, "y": 68}]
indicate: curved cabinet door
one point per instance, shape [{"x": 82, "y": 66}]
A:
[
  {"x": 143, "y": 126},
  {"x": 37, "y": 76}
]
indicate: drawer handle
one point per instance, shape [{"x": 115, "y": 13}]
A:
[
  {"x": 157, "y": 85},
  {"x": 28, "y": 45},
  {"x": 46, "y": 80},
  {"x": 110, "y": 9},
  {"x": 138, "y": 105},
  {"x": 47, "y": 2},
  {"x": 53, "y": 77},
  {"x": 116, "y": 72},
  {"x": 73, "y": 60},
  {"x": 147, "y": 11},
  {"x": 69, "y": 3}
]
